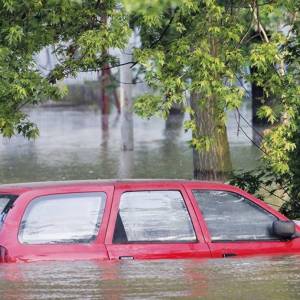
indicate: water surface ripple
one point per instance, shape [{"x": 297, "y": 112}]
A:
[{"x": 247, "y": 278}]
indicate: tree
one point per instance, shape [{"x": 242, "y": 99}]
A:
[
  {"x": 196, "y": 48},
  {"x": 80, "y": 35},
  {"x": 191, "y": 58},
  {"x": 281, "y": 171},
  {"x": 208, "y": 48}
]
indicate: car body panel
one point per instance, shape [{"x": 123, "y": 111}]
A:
[
  {"x": 153, "y": 250},
  {"x": 241, "y": 248},
  {"x": 103, "y": 248},
  {"x": 28, "y": 252}
]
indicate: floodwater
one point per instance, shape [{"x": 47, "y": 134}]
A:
[
  {"x": 72, "y": 145},
  {"x": 252, "y": 278}
]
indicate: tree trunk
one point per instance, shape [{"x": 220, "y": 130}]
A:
[
  {"x": 214, "y": 164},
  {"x": 258, "y": 99},
  {"x": 104, "y": 97},
  {"x": 175, "y": 118}
]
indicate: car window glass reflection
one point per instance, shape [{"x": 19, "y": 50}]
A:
[
  {"x": 153, "y": 216},
  {"x": 69, "y": 218},
  {"x": 230, "y": 216}
]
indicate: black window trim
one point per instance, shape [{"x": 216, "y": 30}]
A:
[
  {"x": 157, "y": 242},
  {"x": 248, "y": 240}
]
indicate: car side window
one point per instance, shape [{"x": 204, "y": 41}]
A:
[
  {"x": 230, "y": 216},
  {"x": 63, "y": 218},
  {"x": 153, "y": 216}
]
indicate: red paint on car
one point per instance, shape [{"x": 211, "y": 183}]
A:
[{"x": 146, "y": 219}]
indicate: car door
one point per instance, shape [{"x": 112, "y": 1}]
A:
[
  {"x": 66, "y": 223},
  {"x": 153, "y": 221},
  {"x": 235, "y": 223}
]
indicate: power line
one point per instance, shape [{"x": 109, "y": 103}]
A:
[{"x": 261, "y": 149}]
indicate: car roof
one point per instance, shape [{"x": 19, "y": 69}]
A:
[{"x": 26, "y": 186}]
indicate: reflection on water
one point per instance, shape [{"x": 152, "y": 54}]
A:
[
  {"x": 259, "y": 278},
  {"x": 72, "y": 145}
]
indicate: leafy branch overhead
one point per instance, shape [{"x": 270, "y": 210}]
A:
[
  {"x": 208, "y": 47},
  {"x": 189, "y": 48},
  {"x": 80, "y": 32}
]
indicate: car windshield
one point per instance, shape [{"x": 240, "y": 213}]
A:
[{"x": 6, "y": 201}]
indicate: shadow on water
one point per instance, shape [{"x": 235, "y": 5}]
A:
[{"x": 259, "y": 278}]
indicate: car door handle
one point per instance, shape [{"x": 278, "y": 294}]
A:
[
  {"x": 229, "y": 254},
  {"x": 126, "y": 257}
]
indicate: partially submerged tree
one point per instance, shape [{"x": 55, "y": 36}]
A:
[
  {"x": 201, "y": 50},
  {"x": 281, "y": 171},
  {"x": 190, "y": 48},
  {"x": 191, "y": 58}
]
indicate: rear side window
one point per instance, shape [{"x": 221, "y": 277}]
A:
[
  {"x": 64, "y": 218},
  {"x": 153, "y": 216},
  {"x": 230, "y": 216}
]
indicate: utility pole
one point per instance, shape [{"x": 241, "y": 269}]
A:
[{"x": 126, "y": 98}]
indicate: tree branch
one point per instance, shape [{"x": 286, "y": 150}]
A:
[
  {"x": 163, "y": 33},
  {"x": 260, "y": 29}
]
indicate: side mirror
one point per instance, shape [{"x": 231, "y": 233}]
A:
[{"x": 284, "y": 229}]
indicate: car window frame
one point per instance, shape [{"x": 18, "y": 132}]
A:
[
  {"x": 10, "y": 229},
  {"x": 236, "y": 240},
  {"x": 79, "y": 241},
  {"x": 161, "y": 241},
  {"x": 232, "y": 189},
  {"x": 155, "y": 186}
]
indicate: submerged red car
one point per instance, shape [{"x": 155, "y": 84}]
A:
[{"x": 138, "y": 220}]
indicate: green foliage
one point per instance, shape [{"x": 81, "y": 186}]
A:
[
  {"x": 276, "y": 178},
  {"x": 265, "y": 184},
  {"x": 199, "y": 48},
  {"x": 205, "y": 47},
  {"x": 148, "y": 105},
  {"x": 249, "y": 181},
  {"x": 81, "y": 32},
  {"x": 192, "y": 48},
  {"x": 266, "y": 112}
]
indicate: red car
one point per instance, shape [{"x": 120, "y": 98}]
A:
[{"x": 138, "y": 220}]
